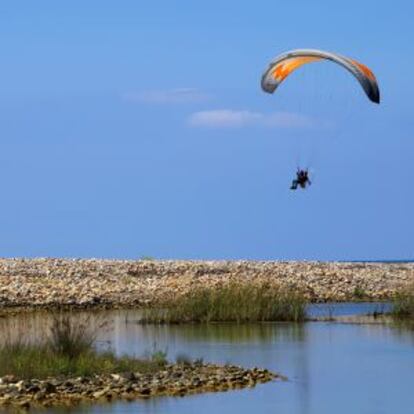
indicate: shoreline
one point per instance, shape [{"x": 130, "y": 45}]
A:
[
  {"x": 30, "y": 284},
  {"x": 173, "y": 380}
]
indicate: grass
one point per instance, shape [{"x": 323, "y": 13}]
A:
[
  {"x": 147, "y": 258},
  {"x": 359, "y": 293},
  {"x": 70, "y": 338},
  {"x": 68, "y": 351},
  {"x": 233, "y": 302},
  {"x": 403, "y": 304}
]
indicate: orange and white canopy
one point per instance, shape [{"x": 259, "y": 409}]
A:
[{"x": 287, "y": 62}]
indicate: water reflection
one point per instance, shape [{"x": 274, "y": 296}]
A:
[
  {"x": 325, "y": 310},
  {"x": 35, "y": 326},
  {"x": 123, "y": 325},
  {"x": 331, "y": 367}
]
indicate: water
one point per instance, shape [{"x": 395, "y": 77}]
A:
[
  {"x": 346, "y": 309},
  {"x": 331, "y": 367}
]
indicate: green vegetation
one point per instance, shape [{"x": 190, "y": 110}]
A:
[
  {"x": 147, "y": 258},
  {"x": 233, "y": 302},
  {"x": 68, "y": 351},
  {"x": 403, "y": 304},
  {"x": 159, "y": 357},
  {"x": 359, "y": 293},
  {"x": 71, "y": 338}
]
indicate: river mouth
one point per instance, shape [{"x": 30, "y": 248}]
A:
[{"x": 330, "y": 366}]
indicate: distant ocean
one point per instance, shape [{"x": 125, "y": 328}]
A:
[{"x": 379, "y": 261}]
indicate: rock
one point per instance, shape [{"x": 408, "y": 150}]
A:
[
  {"x": 130, "y": 376},
  {"x": 33, "y": 389},
  {"x": 6, "y": 398},
  {"x": 99, "y": 394},
  {"x": 145, "y": 391},
  {"x": 116, "y": 377},
  {"x": 68, "y": 384},
  {"x": 8, "y": 379},
  {"x": 48, "y": 387},
  {"x": 92, "y": 283},
  {"x": 25, "y": 404},
  {"x": 40, "y": 396}
]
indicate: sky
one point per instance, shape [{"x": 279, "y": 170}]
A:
[{"x": 132, "y": 129}]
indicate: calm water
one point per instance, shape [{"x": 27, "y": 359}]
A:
[
  {"x": 331, "y": 367},
  {"x": 347, "y": 309}
]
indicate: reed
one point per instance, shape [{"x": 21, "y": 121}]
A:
[
  {"x": 403, "y": 304},
  {"x": 69, "y": 350},
  {"x": 233, "y": 302}
]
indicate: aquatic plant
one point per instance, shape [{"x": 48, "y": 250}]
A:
[
  {"x": 38, "y": 361},
  {"x": 72, "y": 337},
  {"x": 158, "y": 356},
  {"x": 68, "y": 350},
  {"x": 232, "y": 302},
  {"x": 403, "y": 304},
  {"x": 359, "y": 292}
]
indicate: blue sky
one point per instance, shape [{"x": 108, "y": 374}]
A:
[{"x": 136, "y": 129}]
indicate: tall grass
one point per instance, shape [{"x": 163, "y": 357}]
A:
[
  {"x": 37, "y": 361},
  {"x": 233, "y": 302},
  {"x": 403, "y": 304},
  {"x": 68, "y": 350},
  {"x": 72, "y": 337}
]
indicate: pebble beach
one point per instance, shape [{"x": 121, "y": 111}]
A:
[
  {"x": 174, "y": 380},
  {"x": 44, "y": 282}
]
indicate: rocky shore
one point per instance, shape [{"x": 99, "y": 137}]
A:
[
  {"x": 118, "y": 283},
  {"x": 172, "y": 380}
]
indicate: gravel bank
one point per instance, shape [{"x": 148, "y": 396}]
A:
[
  {"x": 119, "y": 283},
  {"x": 175, "y": 380}
]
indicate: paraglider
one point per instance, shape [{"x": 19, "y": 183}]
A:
[
  {"x": 302, "y": 179},
  {"x": 284, "y": 64}
]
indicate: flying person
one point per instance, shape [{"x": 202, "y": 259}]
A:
[
  {"x": 286, "y": 63},
  {"x": 301, "y": 180}
]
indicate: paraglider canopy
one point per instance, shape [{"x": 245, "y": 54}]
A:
[{"x": 287, "y": 62}]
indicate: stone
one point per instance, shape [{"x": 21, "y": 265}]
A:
[
  {"x": 145, "y": 391},
  {"x": 92, "y": 283},
  {"x": 48, "y": 387},
  {"x": 99, "y": 394},
  {"x": 173, "y": 379},
  {"x": 40, "y": 396},
  {"x": 130, "y": 376},
  {"x": 8, "y": 379},
  {"x": 25, "y": 404}
]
